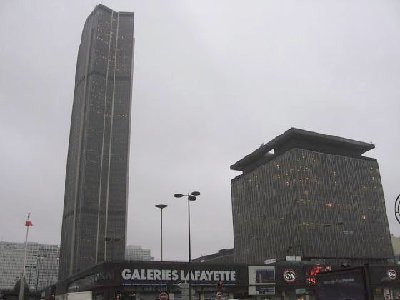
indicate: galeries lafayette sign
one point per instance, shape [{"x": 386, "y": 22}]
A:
[{"x": 178, "y": 275}]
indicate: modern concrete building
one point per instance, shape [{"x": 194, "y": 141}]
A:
[
  {"x": 133, "y": 252},
  {"x": 310, "y": 195},
  {"x": 96, "y": 184},
  {"x": 41, "y": 265}
]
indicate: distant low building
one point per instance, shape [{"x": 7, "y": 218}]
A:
[
  {"x": 396, "y": 246},
  {"x": 133, "y": 252},
  {"x": 41, "y": 268}
]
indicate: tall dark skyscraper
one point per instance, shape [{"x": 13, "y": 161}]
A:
[
  {"x": 96, "y": 184},
  {"x": 310, "y": 195}
]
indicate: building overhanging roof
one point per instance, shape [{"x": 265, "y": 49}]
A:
[{"x": 300, "y": 138}]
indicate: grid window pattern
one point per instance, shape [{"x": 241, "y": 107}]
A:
[
  {"x": 96, "y": 185},
  {"x": 311, "y": 204},
  {"x": 41, "y": 268},
  {"x": 137, "y": 253}
]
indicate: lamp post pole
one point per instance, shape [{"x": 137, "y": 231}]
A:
[
  {"x": 161, "y": 207},
  {"x": 28, "y": 223},
  {"x": 397, "y": 208},
  {"x": 191, "y": 197},
  {"x": 190, "y": 239}
]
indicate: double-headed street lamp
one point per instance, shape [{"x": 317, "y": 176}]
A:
[
  {"x": 191, "y": 197},
  {"x": 161, "y": 207}
]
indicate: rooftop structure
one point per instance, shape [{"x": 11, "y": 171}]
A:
[
  {"x": 303, "y": 139},
  {"x": 222, "y": 256}
]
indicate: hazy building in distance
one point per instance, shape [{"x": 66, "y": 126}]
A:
[
  {"x": 310, "y": 195},
  {"x": 396, "y": 246},
  {"x": 96, "y": 184},
  {"x": 137, "y": 253},
  {"x": 41, "y": 264}
]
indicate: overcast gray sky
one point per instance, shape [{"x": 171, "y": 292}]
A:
[{"x": 212, "y": 81}]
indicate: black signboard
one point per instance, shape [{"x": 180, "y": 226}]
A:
[
  {"x": 156, "y": 274},
  {"x": 342, "y": 284},
  {"x": 385, "y": 276}
]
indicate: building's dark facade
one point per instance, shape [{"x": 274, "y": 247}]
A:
[
  {"x": 281, "y": 281},
  {"x": 96, "y": 185},
  {"x": 310, "y": 195},
  {"x": 145, "y": 280}
]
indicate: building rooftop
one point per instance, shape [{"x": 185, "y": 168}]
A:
[
  {"x": 303, "y": 139},
  {"x": 107, "y": 9},
  {"x": 222, "y": 256}
]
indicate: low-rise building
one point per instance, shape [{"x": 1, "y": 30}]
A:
[
  {"x": 41, "y": 269},
  {"x": 396, "y": 246},
  {"x": 283, "y": 280},
  {"x": 133, "y": 252}
]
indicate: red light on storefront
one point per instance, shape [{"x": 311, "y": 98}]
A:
[{"x": 311, "y": 278}]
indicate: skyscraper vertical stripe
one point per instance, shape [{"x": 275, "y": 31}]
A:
[{"x": 96, "y": 184}]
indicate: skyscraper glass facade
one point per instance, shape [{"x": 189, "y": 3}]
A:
[{"x": 96, "y": 184}]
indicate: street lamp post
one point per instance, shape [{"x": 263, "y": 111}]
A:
[
  {"x": 191, "y": 197},
  {"x": 397, "y": 208},
  {"x": 161, "y": 207},
  {"x": 28, "y": 223}
]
